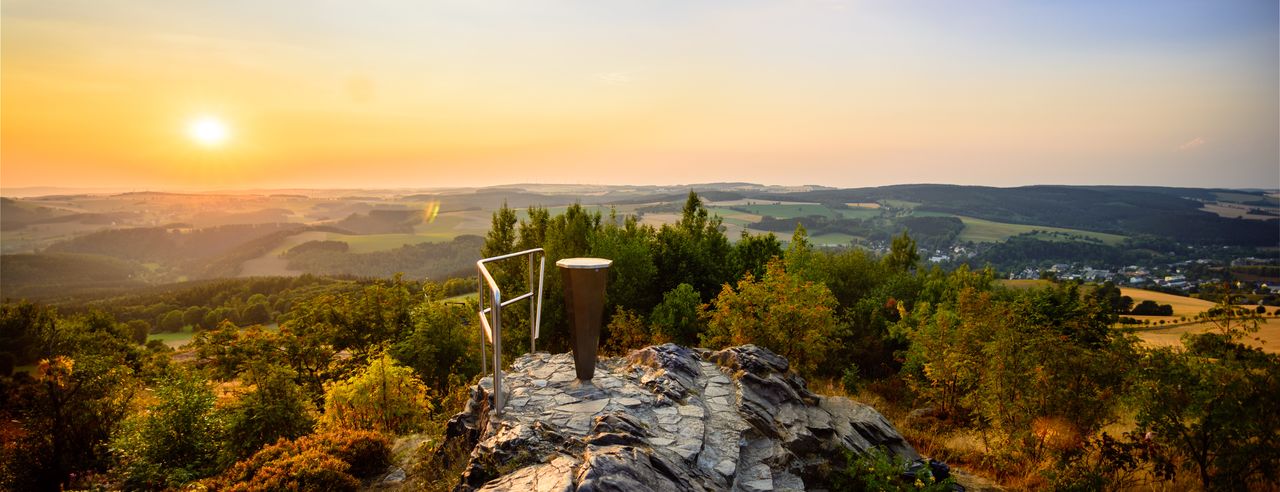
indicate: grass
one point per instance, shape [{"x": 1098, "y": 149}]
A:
[
  {"x": 859, "y": 213},
  {"x": 175, "y": 339},
  {"x": 1182, "y": 306},
  {"x": 986, "y": 231},
  {"x": 832, "y": 239},
  {"x": 788, "y": 211},
  {"x": 1267, "y": 337},
  {"x": 1023, "y": 284},
  {"x": 899, "y": 204}
]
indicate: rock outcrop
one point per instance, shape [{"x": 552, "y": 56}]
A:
[{"x": 663, "y": 418}]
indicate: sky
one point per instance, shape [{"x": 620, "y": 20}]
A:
[{"x": 159, "y": 94}]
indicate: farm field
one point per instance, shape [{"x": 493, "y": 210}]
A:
[
  {"x": 834, "y": 239},
  {"x": 1182, "y": 306},
  {"x": 1232, "y": 211},
  {"x": 1267, "y": 338},
  {"x": 986, "y": 231},
  {"x": 1024, "y": 283},
  {"x": 789, "y": 211},
  {"x": 859, "y": 213}
]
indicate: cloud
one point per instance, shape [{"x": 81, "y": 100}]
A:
[
  {"x": 1191, "y": 144},
  {"x": 614, "y": 78}
]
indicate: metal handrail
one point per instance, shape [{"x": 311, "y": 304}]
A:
[{"x": 492, "y": 329}]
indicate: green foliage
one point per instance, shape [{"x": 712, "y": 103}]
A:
[
  {"x": 442, "y": 343},
  {"x": 793, "y": 318},
  {"x": 801, "y": 260},
  {"x": 627, "y": 332},
  {"x": 84, "y": 381},
  {"x": 1212, "y": 406},
  {"x": 138, "y": 330},
  {"x": 171, "y": 322},
  {"x": 333, "y": 460},
  {"x": 693, "y": 251},
  {"x": 632, "y": 272},
  {"x": 1152, "y": 308},
  {"x": 384, "y": 397},
  {"x": 752, "y": 252},
  {"x": 1038, "y": 370},
  {"x": 275, "y": 408},
  {"x": 678, "y": 318},
  {"x": 176, "y": 440},
  {"x": 877, "y": 470},
  {"x": 903, "y": 255}
]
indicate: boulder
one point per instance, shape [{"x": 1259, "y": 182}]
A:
[{"x": 663, "y": 418}]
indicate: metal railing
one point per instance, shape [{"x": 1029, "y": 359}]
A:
[{"x": 491, "y": 317}]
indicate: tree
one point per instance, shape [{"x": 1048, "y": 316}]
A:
[
  {"x": 627, "y": 332},
  {"x": 802, "y": 261},
  {"x": 275, "y": 408},
  {"x": 138, "y": 330},
  {"x": 678, "y": 317},
  {"x": 383, "y": 397},
  {"x": 903, "y": 255},
  {"x": 171, "y": 322},
  {"x": 84, "y": 382},
  {"x": 442, "y": 344},
  {"x": 175, "y": 441},
  {"x": 753, "y": 251},
  {"x": 1214, "y": 418},
  {"x": 631, "y": 275},
  {"x": 1211, "y": 405},
  {"x": 793, "y": 318},
  {"x": 693, "y": 251}
]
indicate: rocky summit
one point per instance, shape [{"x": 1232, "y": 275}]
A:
[{"x": 662, "y": 418}]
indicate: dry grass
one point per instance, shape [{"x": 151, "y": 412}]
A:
[
  {"x": 1182, "y": 306},
  {"x": 1267, "y": 338}
]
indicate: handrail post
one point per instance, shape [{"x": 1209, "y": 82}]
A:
[
  {"x": 532, "y": 341},
  {"x": 498, "y": 400}
]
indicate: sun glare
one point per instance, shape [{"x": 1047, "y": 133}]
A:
[{"x": 208, "y": 131}]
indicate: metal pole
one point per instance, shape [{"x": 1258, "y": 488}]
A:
[
  {"x": 497, "y": 352},
  {"x": 532, "y": 341},
  {"x": 480, "y": 298}
]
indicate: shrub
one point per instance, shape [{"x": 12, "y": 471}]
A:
[
  {"x": 275, "y": 408},
  {"x": 794, "y": 318},
  {"x": 880, "y": 471},
  {"x": 676, "y": 318},
  {"x": 627, "y": 332},
  {"x": 384, "y": 396},
  {"x": 330, "y": 461},
  {"x": 175, "y": 441}
]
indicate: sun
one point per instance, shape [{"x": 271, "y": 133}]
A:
[{"x": 208, "y": 131}]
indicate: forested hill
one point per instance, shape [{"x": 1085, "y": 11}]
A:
[{"x": 1176, "y": 213}]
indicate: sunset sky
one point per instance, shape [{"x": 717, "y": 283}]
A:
[{"x": 223, "y": 94}]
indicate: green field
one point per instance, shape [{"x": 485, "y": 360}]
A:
[
  {"x": 833, "y": 239},
  {"x": 859, "y": 213},
  {"x": 174, "y": 340},
  {"x": 986, "y": 231},
  {"x": 788, "y": 211},
  {"x": 1227, "y": 196},
  {"x": 380, "y": 242},
  {"x": 899, "y": 204}
]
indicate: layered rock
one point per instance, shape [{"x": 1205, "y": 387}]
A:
[{"x": 663, "y": 418}]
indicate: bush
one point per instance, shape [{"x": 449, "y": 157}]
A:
[
  {"x": 880, "y": 471},
  {"x": 330, "y": 461},
  {"x": 627, "y": 332},
  {"x": 794, "y": 318},
  {"x": 175, "y": 441},
  {"x": 276, "y": 408},
  {"x": 384, "y": 396}
]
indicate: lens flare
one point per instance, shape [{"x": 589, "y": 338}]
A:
[{"x": 430, "y": 211}]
